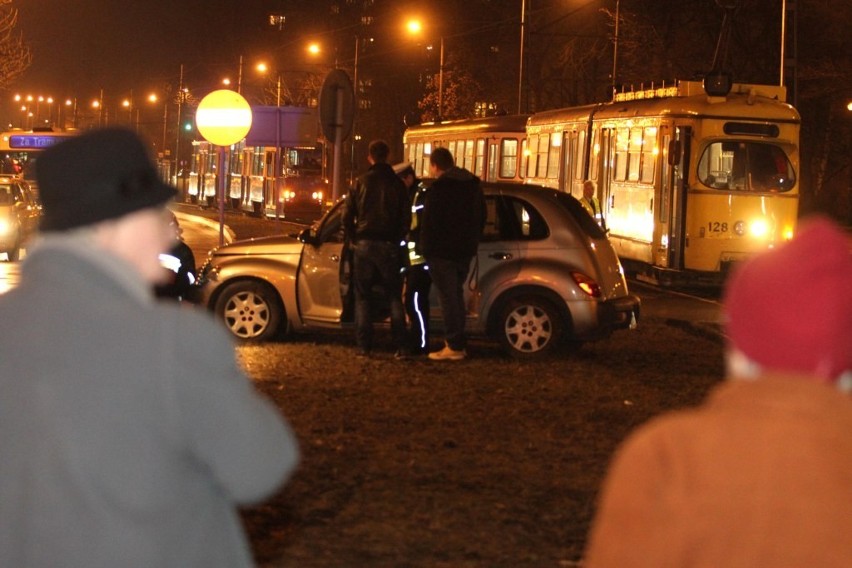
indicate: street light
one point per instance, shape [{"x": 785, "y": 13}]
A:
[
  {"x": 263, "y": 69},
  {"x": 415, "y": 27}
]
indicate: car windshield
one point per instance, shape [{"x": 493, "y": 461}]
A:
[{"x": 746, "y": 166}]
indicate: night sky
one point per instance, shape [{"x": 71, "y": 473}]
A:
[{"x": 81, "y": 46}]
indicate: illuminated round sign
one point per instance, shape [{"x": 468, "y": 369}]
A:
[{"x": 223, "y": 117}]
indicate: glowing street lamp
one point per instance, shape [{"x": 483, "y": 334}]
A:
[
  {"x": 263, "y": 69},
  {"x": 415, "y": 27}
]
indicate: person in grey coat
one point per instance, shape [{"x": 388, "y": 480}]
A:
[{"x": 128, "y": 434}]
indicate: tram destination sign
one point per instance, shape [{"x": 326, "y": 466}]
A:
[{"x": 33, "y": 141}]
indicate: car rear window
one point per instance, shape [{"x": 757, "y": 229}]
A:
[{"x": 586, "y": 222}]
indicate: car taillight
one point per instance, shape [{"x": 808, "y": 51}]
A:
[{"x": 587, "y": 285}]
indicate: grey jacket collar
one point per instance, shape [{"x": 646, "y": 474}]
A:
[{"x": 82, "y": 245}]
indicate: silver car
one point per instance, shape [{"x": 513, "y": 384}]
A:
[
  {"x": 19, "y": 215},
  {"x": 545, "y": 275}
]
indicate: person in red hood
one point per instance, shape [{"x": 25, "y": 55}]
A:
[{"x": 761, "y": 473}]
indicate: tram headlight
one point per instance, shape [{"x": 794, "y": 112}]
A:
[{"x": 759, "y": 228}]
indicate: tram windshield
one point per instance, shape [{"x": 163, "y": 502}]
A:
[{"x": 746, "y": 166}]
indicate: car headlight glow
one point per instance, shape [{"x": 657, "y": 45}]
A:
[{"x": 5, "y": 226}]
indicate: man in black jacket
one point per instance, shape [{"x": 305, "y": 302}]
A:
[
  {"x": 376, "y": 218},
  {"x": 453, "y": 219}
]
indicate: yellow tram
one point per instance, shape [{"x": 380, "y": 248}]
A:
[{"x": 689, "y": 183}]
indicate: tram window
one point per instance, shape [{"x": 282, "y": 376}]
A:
[
  {"x": 578, "y": 156},
  {"x": 595, "y": 154},
  {"x": 553, "y": 155},
  {"x": 635, "y": 153},
  {"x": 622, "y": 143},
  {"x": 479, "y": 161},
  {"x": 541, "y": 159},
  {"x": 746, "y": 166},
  {"x": 532, "y": 145},
  {"x": 649, "y": 154},
  {"x": 257, "y": 163},
  {"x": 468, "y": 154},
  {"x": 508, "y": 158}
]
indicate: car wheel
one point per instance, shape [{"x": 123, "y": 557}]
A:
[
  {"x": 531, "y": 327},
  {"x": 250, "y": 310}
]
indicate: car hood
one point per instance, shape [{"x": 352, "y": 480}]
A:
[{"x": 266, "y": 246}]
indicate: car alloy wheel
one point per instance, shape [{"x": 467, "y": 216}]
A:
[
  {"x": 531, "y": 327},
  {"x": 250, "y": 310}
]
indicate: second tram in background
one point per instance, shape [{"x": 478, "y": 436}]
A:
[
  {"x": 303, "y": 185},
  {"x": 689, "y": 183},
  {"x": 491, "y": 148}
]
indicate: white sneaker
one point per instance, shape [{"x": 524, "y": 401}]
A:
[{"x": 447, "y": 354}]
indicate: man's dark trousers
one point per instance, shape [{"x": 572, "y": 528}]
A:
[
  {"x": 382, "y": 259},
  {"x": 449, "y": 277}
]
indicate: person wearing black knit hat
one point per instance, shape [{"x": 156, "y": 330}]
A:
[{"x": 129, "y": 434}]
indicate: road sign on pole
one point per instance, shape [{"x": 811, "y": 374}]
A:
[{"x": 223, "y": 118}]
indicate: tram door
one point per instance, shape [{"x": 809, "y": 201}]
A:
[
  {"x": 607, "y": 147},
  {"x": 566, "y": 172},
  {"x": 678, "y": 179}
]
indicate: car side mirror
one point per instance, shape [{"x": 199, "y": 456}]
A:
[{"x": 306, "y": 237}]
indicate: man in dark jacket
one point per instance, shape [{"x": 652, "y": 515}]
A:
[
  {"x": 376, "y": 218},
  {"x": 453, "y": 219}
]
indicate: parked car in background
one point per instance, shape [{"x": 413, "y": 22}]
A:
[
  {"x": 545, "y": 274},
  {"x": 19, "y": 215}
]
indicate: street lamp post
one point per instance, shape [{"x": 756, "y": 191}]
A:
[
  {"x": 615, "y": 45},
  {"x": 441, "y": 83},
  {"x": 415, "y": 27}
]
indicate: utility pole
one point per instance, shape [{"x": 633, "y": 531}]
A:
[{"x": 180, "y": 95}]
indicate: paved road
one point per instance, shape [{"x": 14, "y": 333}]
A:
[{"x": 701, "y": 311}]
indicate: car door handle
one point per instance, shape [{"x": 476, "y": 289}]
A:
[{"x": 500, "y": 255}]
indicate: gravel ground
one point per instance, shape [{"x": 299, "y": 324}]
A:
[{"x": 487, "y": 462}]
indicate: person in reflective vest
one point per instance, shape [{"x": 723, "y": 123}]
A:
[{"x": 591, "y": 204}]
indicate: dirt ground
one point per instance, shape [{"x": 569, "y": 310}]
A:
[{"x": 487, "y": 462}]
